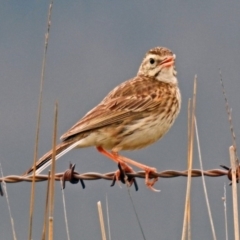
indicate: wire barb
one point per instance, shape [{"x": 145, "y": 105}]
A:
[
  {"x": 69, "y": 175},
  {"x": 230, "y": 173}
]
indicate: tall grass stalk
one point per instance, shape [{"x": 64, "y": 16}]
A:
[
  {"x": 52, "y": 181},
  {"x": 65, "y": 212},
  {"x": 190, "y": 157},
  {"x": 188, "y": 162},
  {"x": 45, "y": 220},
  {"x": 100, "y": 214},
  {"x": 108, "y": 219},
  {"x": 8, "y": 204},
  {"x": 234, "y": 192},
  {"x": 204, "y": 183},
  {"x": 38, "y": 122},
  {"x": 224, "y": 198}
]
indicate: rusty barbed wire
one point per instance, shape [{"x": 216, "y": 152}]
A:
[{"x": 110, "y": 175}]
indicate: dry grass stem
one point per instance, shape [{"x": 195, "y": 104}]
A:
[
  {"x": 234, "y": 192},
  {"x": 188, "y": 162},
  {"x": 45, "y": 223},
  {"x": 135, "y": 212},
  {"x": 52, "y": 182},
  {"x": 8, "y": 204},
  {"x": 38, "y": 122},
  {"x": 224, "y": 198},
  {"x": 204, "y": 183},
  {"x": 189, "y": 236},
  {"x": 229, "y": 112},
  {"x": 190, "y": 157},
  {"x": 108, "y": 219},
  {"x": 100, "y": 214},
  {"x": 65, "y": 212}
]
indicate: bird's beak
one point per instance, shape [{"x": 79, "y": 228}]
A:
[{"x": 168, "y": 61}]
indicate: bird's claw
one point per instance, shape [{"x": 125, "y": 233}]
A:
[
  {"x": 149, "y": 183},
  {"x": 120, "y": 175}
]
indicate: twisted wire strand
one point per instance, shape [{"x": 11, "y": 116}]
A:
[{"x": 110, "y": 175}]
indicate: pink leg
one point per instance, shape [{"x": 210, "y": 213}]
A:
[
  {"x": 114, "y": 157},
  {"x": 123, "y": 160},
  {"x": 146, "y": 168}
]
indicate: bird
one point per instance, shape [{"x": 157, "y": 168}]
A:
[{"x": 132, "y": 116}]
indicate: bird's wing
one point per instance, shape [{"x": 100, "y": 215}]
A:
[{"x": 116, "y": 107}]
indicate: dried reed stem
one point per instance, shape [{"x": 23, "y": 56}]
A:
[
  {"x": 38, "y": 122},
  {"x": 52, "y": 182},
  {"x": 234, "y": 191},
  {"x": 8, "y": 204},
  {"x": 229, "y": 112},
  {"x": 204, "y": 183},
  {"x": 190, "y": 157},
  {"x": 100, "y": 214},
  {"x": 135, "y": 212},
  {"x": 188, "y": 162},
  {"x": 224, "y": 198},
  {"x": 65, "y": 212},
  {"x": 45, "y": 223},
  {"x": 108, "y": 219},
  {"x": 234, "y": 164}
]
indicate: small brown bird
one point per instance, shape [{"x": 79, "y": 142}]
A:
[{"x": 132, "y": 116}]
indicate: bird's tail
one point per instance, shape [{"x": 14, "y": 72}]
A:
[{"x": 46, "y": 159}]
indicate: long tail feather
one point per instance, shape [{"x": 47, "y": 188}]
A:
[{"x": 46, "y": 160}]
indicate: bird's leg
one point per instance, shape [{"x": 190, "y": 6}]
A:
[
  {"x": 114, "y": 156},
  {"x": 123, "y": 161},
  {"x": 148, "y": 170}
]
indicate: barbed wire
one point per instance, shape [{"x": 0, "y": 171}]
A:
[
  {"x": 74, "y": 177},
  {"x": 110, "y": 175}
]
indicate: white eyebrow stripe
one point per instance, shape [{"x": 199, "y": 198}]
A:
[{"x": 153, "y": 56}]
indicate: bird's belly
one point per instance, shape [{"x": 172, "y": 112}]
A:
[
  {"x": 132, "y": 135},
  {"x": 143, "y": 133}
]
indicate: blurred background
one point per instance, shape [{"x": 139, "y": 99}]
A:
[{"x": 94, "y": 46}]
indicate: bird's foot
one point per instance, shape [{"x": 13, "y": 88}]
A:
[
  {"x": 120, "y": 175},
  {"x": 150, "y": 182}
]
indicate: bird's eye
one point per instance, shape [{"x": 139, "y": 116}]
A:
[{"x": 151, "y": 60}]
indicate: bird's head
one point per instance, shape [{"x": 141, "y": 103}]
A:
[{"x": 159, "y": 62}]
